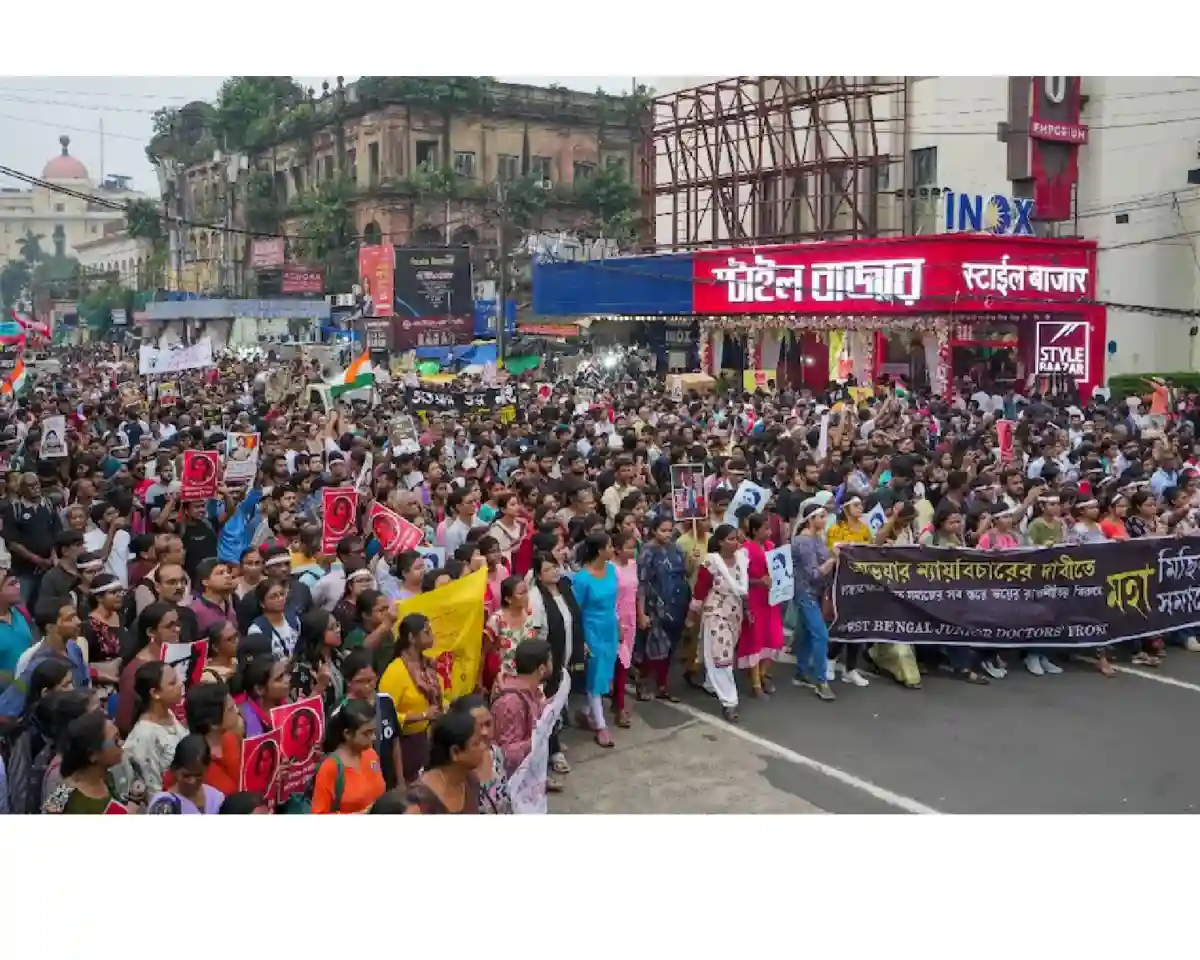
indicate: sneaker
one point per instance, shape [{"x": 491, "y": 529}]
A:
[
  {"x": 799, "y": 680},
  {"x": 1050, "y": 666},
  {"x": 831, "y": 668},
  {"x": 855, "y": 678},
  {"x": 993, "y": 670},
  {"x": 1192, "y": 644},
  {"x": 823, "y": 692},
  {"x": 1033, "y": 664}
]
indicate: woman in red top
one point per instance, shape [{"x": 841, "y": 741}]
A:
[
  {"x": 1112, "y": 517},
  {"x": 211, "y": 713}
]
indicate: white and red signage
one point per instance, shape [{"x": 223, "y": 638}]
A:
[
  {"x": 905, "y": 275},
  {"x": 1062, "y": 347}
]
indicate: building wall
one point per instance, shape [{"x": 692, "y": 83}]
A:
[
  {"x": 119, "y": 253},
  {"x": 41, "y": 211}
]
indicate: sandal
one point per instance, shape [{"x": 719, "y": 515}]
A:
[
  {"x": 560, "y": 766},
  {"x": 970, "y": 676},
  {"x": 604, "y": 739},
  {"x": 665, "y": 695},
  {"x": 554, "y": 785},
  {"x": 730, "y": 714},
  {"x": 1106, "y": 668},
  {"x": 768, "y": 686},
  {"x": 1144, "y": 659},
  {"x": 624, "y": 720}
]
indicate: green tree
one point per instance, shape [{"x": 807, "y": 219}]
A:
[
  {"x": 249, "y": 110},
  {"x": 30, "y": 247},
  {"x": 327, "y": 233},
  {"x": 143, "y": 221},
  {"x": 610, "y": 203},
  {"x": 15, "y": 278}
]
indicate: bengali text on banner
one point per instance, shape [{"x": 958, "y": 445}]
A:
[{"x": 1070, "y": 596}]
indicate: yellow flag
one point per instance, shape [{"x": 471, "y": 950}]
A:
[{"x": 455, "y": 613}]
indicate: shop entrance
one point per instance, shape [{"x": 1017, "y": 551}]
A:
[{"x": 988, "y": 353}]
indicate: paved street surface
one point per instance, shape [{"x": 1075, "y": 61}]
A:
[{"x": 1075, "y": 743}]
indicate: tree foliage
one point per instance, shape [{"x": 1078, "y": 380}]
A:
[
  {"x": 143, "y": 221},
  {"x": 184, "y": 135},
  {"x": 15, "y": 279},
  {"x": 30, "y": 247},
  {"x": 610, "y": 202},
  {"x": 328, "y": 237},
  {"x": 250, "y": 109}
]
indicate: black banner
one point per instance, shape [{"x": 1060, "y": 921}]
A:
[
  {"x": 1077, "y": 596},
  {"x": 426, "y": 400},
  {"x": 434, "y": 297}
]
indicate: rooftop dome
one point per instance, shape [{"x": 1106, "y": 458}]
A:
[{"x": 64, "y": 166}]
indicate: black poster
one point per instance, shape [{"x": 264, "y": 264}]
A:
[
  {"x": 434, "y": 296},
  {"x": 10, "y": 353},
  {"x": 426, "y": 400},
  {"x": 1076, "y": 596}
]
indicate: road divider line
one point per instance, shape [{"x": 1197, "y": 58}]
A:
[
  {"x": 1148, "y": 675},
  {"x": 884, "y": 795}
]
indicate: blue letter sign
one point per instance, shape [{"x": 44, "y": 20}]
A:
[{"x": 996, "y": 214}]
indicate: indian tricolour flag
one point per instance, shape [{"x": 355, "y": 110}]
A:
[
  {"x": 14, "y": 383},
  {"x": 357, "y": 376}
]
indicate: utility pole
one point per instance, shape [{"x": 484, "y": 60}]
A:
[{"x": 502, "y": 289}]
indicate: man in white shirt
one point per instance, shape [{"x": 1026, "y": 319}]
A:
[
  {"x": 621, "y": 488},
  {"x": 109, "y": 538}
]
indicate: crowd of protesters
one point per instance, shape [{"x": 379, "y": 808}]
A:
[{"x": 565, "y": 499}]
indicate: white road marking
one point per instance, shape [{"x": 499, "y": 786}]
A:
[
  {"x": 897, "y": 800},
  {"x": 1149, "y": 675}
]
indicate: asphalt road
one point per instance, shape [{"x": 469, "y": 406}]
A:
[{"x": 1075, "y": 743}]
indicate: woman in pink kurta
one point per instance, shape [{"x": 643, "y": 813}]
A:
[
  {"x": 761, "y": 638},
  {"x": 624, "y": 547}
]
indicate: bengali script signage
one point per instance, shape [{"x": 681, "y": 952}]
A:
[
  {"x": 895, "y": 276},
  {"x": 1076, "y": 596}
]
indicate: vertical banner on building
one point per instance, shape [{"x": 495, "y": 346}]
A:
[
  {"x": 377, "y": 275},
  {"x": 434, "y": 296}
]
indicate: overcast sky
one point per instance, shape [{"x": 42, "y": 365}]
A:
[{"x": 35, "y": 111}]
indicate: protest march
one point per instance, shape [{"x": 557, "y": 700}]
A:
[{"x": 236, "y": 584}]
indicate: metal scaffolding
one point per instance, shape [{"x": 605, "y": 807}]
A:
[{"x": 759, "y": 160}]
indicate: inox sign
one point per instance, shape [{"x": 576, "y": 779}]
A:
[{"x": 1000, "y": 215}]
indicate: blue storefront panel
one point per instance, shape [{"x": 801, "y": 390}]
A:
[{"x": 622, "y": 286}]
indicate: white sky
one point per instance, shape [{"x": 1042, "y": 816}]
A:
[{"x": 35, "y": 111}]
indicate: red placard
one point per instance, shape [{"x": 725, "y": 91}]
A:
[
  {"x": 297, "y": 279},
  {"x": 905, "y": 275},
  {"x": 201, "y": 468},
  {"x": 377, "y": 275},
  {"x": 1004, "y": 439},
  {"x": 394, "y": 533},
  {"x": 301, "y": 727},
  {"x": 117, "y": 808},
  {"x": 262, "y": 757},
  {"x": 339, "y": 509}
]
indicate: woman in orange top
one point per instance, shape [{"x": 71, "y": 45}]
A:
[
  {"x": 350, "y": 778},
  {"x": 212, "y": 714}
]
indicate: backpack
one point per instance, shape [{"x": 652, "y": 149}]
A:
[
  {"x": 27, "y": 765},
  {"x": 339, "y": 783},
  {"x": 129, "y": 612}
]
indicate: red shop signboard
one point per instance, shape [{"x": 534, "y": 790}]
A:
[
  {"x": 906, "y": 275},
  {"x": 296, "y": 279}
]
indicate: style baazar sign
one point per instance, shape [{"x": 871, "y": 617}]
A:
[
  {"x": 1062, "y": 348},
  {"x": 959, "y": 272}
]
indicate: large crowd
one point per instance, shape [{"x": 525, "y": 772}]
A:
[{"x": 564, "y": 499}]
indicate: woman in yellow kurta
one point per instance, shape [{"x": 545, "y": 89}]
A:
[
  {"x": 850, "y": 528},
  {"x": 416, "y": 688}
]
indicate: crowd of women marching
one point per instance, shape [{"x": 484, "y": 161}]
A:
[{"x": 594, "y": 570}]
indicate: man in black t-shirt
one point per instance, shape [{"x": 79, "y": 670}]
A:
[{"x": 30, "y": 528}]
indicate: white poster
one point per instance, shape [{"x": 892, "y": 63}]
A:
[
  {"x": 196, "y": 357},
  {"x": 527, "y": 785},
  {"x": 747, "y": 495},
  {"x": 363, "y": 483},
  {"x": 241, "y": 457},
  {"x": 876, "y": 518},
  {"x": 54, "y": 437},
  {"x": 783, "y": 580},
  {"x": 435, "y": 557}
]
